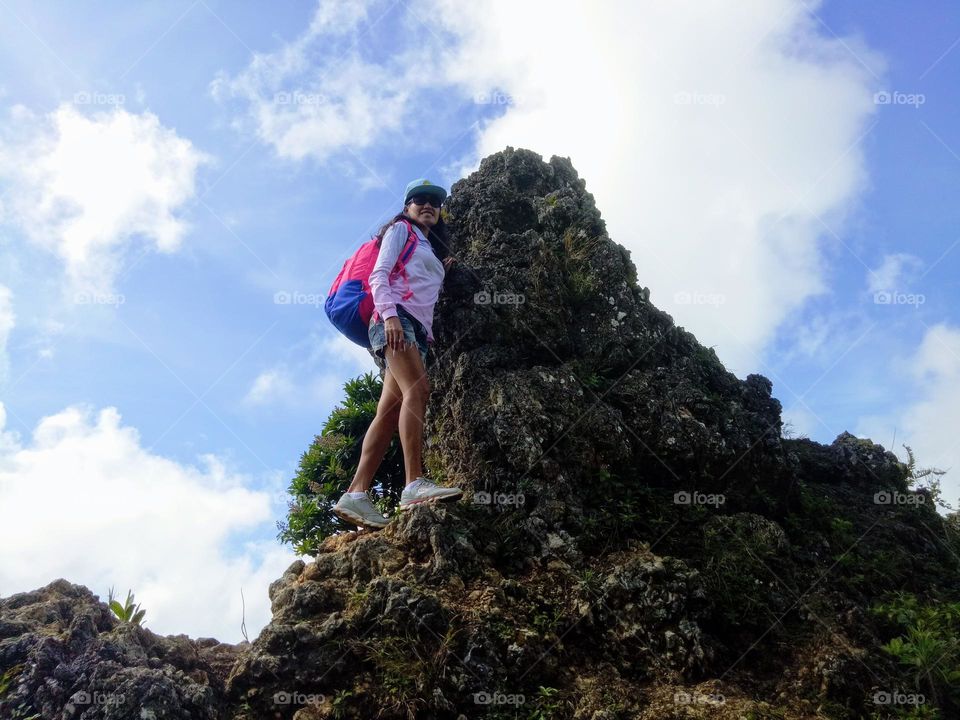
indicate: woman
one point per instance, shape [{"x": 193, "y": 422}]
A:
[{"x": 400, "y": 333}]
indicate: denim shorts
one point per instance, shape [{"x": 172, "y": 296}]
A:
[{"x": 413, "y": 333}]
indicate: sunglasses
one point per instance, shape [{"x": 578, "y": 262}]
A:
[{"x": 425, "y": 200}]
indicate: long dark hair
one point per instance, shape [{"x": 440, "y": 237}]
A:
[{"x": 437, "y": 235}]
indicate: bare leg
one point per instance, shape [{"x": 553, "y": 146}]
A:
[
  {"x": 407, "y": 366},
  {"x": 377, "y": 439}
]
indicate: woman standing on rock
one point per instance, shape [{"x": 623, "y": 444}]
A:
[{"x": 399, "y": 338}]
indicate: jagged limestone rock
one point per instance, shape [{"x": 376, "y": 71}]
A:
[
  {"x": 72, "y": 658},
  {"x": 637, "y": 538}
]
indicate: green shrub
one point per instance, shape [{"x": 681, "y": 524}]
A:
[
  {"x": 928, "y": 645},
  {"x": 329, "y": 464},
  {"x": 933, "y": 475},
  {"x": 743, "y": 572},
  {"x": 641, "y": 512},
  {"x": 549, "y": 704}
]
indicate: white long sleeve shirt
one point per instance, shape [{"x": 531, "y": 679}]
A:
[{"x": 425, "y": 275}]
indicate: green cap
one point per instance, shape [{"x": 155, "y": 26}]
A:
[{"x": 422, "y": 186}]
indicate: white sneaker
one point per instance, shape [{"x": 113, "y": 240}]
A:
[
  {"x": 422, "y": 490},
  {"x": 359, "y": 511}
]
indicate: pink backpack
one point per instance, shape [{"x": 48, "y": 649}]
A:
[{"x": 349, "y": 303}]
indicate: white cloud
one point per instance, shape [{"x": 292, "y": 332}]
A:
[
  {"x": 317, "y": 96},
  {"x": 271, "y": 386},
  {"x": 315, "y": 377},
  {"x": 718, "y": 139},
  {"x": 800, "y": 421},
  {"x": 812, "y": 337},
  {"x": 84, "y": 187},
  {"x": 85, "y": 501},
  {"x": 7, "y": 321},
  {"x": 339, "y": 349},
  {"x": 938, "y": 357},
  {"x": 928, "y": 420},
  {"x": 822, "y": 337},
  {"x": 893, "y": 272},
  {"x": 711, "y": 136}
]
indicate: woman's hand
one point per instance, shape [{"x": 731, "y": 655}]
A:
[
  {"x": 394, "y": 332},
  {"x": 447, "y": 262}
]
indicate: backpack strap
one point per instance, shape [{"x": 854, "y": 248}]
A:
[
  {"x": 405, "y": 254},
  {"x": 400, "y": 268}
]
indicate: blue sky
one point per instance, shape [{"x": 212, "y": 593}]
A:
[
  {"x": 167, "y": 169},
  {"x": 911, "y": 159}
]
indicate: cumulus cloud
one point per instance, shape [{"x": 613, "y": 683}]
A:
[
  {"x": 83, "y": 500},
  {"x": 721, "y": 141},
  {"x": 318, "y": 96},
  {"x": 271, "y": 386},
  {"x": 86, "y": 188},
  {"x": 335, "y": 348},
  {"x": 314, "y": 376},
  {"x": 927, "y": 421},
  {"x": 721, "y": 163}
]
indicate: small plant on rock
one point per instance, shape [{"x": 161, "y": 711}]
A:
[{"x": 128, "y": 612}]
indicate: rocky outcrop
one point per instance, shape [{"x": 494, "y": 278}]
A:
[
  {"x": 637, "y": 538},
  {"x": 555, "y": 363},
  {"x": 66, "y": 655}
]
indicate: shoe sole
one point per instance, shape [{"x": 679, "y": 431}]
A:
[
  {"x": 355, "y": 519},
  {"x": 433, "y": 500}
]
